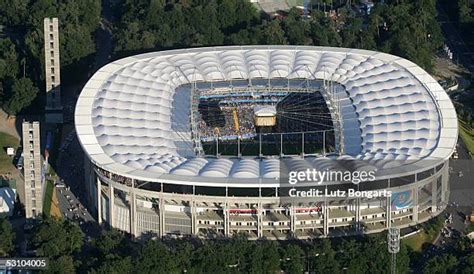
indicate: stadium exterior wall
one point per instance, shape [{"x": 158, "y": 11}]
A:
[{"x": 129, "y": 207}]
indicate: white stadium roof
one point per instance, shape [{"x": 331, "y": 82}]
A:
[{"x": 132, "y": 117}]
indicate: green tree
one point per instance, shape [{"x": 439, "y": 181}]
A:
[
  {"x": 318, "y": 34},
  {"x": 77, "y": 42},
  {"x": 272, "y": 34},
  {"x": 411, "y": 30},
  {"x": 351, "y": 35},
  {"x": 321, "y": 258},
  {"x": 441, "y": 264},
  {"x": 155, "y": 257},
  {"x": 295, "y": 28},
  {"x": 183, "y": 255},
  {"x": 54, "y": 238},
  {"x": 293, "y": 259},
  {"x": 271, "y": 258},
  {"x": 207, "y": 259},
  {"x": 351, "y": 257},
  {"x": 13, "y": 12},
  {"x": 63, "y": 264},
  {"x": 118, "y": 265},
  {"x": 243, "y": 37},
  {"x": 109, "y": 242},
  {"x": 324, "y": 31},
  {"x": 78, "y": 20},
  {"x": 235, "y": 15},
  {"x": 22, "y": 93},
  {"x": 7, "y": 238},
  {"x": 468, "y": 265},
  {"x": 8, "y": 59},
  {"x": 466, "y": 11},
  {"x": 111, "y": 253}
]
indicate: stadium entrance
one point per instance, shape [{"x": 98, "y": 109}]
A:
[{"x": 265, "y": 120}]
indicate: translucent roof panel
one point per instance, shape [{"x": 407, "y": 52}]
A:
[{"x": 134, "y": 112}]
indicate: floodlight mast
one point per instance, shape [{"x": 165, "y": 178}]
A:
[{"x": 393, "y": 242}]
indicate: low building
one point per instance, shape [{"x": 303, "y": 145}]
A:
[
  {"x": 265, "y": 116},
  {"x": 7, "y": 201}
]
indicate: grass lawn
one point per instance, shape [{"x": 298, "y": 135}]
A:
[
  {"x": 50, "y": 205},
  {"x": 429, "y": 232},
  {"x": 48, "y": 197},
  {"x": 6, "y": 164},
  {"x": 416, "y": 241},
  {"x": 467, "y": 135}
]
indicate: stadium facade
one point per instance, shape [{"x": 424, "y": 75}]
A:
[{"x": 148, "y": 174}]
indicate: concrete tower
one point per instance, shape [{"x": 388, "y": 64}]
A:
[
  {"x": 52, "y": 71},
  {"x": 32, "y": 190}
]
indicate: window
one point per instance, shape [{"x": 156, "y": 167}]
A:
[
  {"x": 51, "y": 44},
  {"x": 53, "y": 79},
  {"x": 52, "y": 53},
  {"x": 33, "y": 203},
  {"x": 52, "y": 62},
  {"x": 51, "y": 37},
  {"x": 51, "y": 27},
  {"x": 33, "y": 193}
]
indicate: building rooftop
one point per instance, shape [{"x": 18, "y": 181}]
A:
[{"x": 132, "y": 117}]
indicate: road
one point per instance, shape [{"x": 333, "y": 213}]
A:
[
  {"x": 463, "y": 54},
  {"x": 73, "y": 198},
  {"x": 70, "y": 162},
  {"x": 71, "y": 206}
]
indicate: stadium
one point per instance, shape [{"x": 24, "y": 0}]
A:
[{"x": 199, "y": 142}]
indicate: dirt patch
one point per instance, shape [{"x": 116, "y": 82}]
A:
[
  {"x": 445, "y": 68},
  {"x": 8, "y": 124},
  {"x": 55, "y": 212}
]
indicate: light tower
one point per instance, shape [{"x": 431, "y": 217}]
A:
[
  {"x": 393, "y": 243},
  {"x": 32, "y": 191},
  {"x": 54, "y": 110}
]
